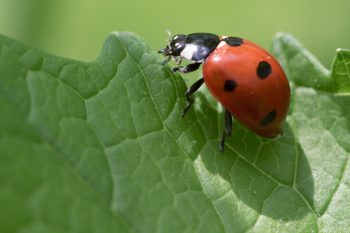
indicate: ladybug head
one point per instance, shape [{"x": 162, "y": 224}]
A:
[{"x": 175, "y": 46}]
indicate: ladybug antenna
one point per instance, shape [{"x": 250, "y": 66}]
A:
[
  {"x": 166, "y": 51},
  {"x": 169, "y": 35}
]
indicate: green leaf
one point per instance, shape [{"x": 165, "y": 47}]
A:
[{"x": 101, "y": 147}]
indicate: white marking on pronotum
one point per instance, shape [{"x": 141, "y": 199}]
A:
[
  {"x": 189, "y": 51},
  {"x": 175, "y": 37},
  {"x": 222, "y": 43},
  {"x": 177, "y": 44}
]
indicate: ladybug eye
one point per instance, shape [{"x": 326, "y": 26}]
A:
[{"x": 177, "y": 44}]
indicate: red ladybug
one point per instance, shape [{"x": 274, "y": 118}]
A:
[{"x": 246, "y": 79}]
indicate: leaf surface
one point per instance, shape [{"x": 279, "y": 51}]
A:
[{"x": 101, "y": 147}]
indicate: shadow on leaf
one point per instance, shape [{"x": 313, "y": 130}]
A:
[{"x": 254, "y": 176}]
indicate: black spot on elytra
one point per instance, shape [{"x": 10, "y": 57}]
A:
[
  {"x": 230, "y": 85},
  {"x": 263, "y": 70},
  {"x": 233, "y": 41},
  {"x": 268, "y": 118}
]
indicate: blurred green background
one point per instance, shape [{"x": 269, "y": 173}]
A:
[{"x": 77, "y": 28}]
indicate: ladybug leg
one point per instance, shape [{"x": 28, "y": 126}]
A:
[
  {"x": 189, "y": 68},
  {"x": 178, "y": 60},
  {"x": 192, "y": 89},
  {"x": 166, "y": 60},
  {"x": 227, "y": 131}
]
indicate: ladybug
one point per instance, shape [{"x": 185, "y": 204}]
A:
[{"x": 246, "y": 79}]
